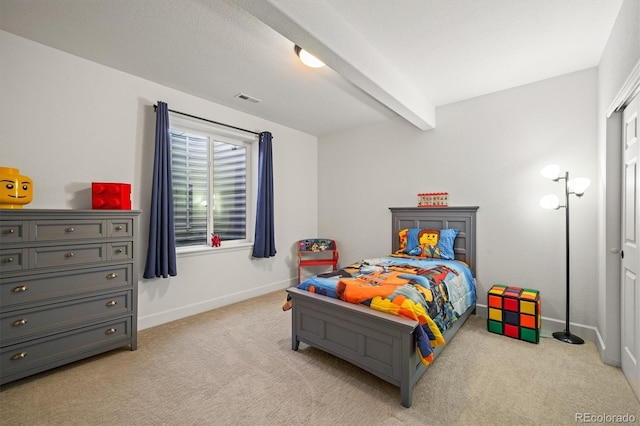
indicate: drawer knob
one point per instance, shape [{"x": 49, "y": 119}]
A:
[
  {"x": 119, "y": 228},
  {"x": 111, "y": 330},
  {"x": 18, "y": 356},
  {"x": 112, "y": 276},
  {"x": 70, "y": 254},
  {"x": 18, "y": 323},
  {"x": 70, "y": 229},
  {"x": 7, "y": 260},
  {"x": 111, "y": 303},
  {"x": 8, "y": 231},
  {"x": 118, "y": 251},
  {"x": 20, "y": 289}
]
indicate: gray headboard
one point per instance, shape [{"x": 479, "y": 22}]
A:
[{"x": 462, "y": 218}]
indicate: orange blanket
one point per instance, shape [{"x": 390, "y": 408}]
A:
[{"x": 366, "y": 287}]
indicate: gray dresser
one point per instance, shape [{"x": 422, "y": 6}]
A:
[{"x": 68, "y": 287}]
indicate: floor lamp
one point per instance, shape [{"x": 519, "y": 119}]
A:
[{"x": 577, "y": 187}]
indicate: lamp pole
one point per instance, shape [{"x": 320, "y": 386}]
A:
[{"x": 566, "y": 335}]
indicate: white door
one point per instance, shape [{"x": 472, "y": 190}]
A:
[{"x": 630, "y": 291}]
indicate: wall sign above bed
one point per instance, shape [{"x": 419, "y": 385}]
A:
[{"x": 433, "y": 199}]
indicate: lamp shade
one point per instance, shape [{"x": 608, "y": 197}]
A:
[
  {"x": 307, "y": 58},
  {"x": 579, "y": 185},
  {"x": 550, "y": 202},
  {"x": 552, "y": 171}
]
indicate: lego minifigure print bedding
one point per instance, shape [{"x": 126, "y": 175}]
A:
[{"x": 432, "y": 291}]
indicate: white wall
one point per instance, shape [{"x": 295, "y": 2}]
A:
[
  {"x": 487, "y": 151},
  {"x": 67, "y": 122},
  {"x": 621, "y": 54}
]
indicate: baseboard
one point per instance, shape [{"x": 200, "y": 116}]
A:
[
  {"x": 550, "y": 325},
  {"x": 207, "y": 305}
]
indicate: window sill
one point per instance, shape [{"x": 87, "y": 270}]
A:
[{"x": 199, "y": 250}]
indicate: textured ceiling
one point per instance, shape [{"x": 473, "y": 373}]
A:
[{"x": 387, "y": 57}]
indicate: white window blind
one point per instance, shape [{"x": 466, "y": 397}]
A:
[
  {"x": 209, "y": 188},
  {"x": 229, "y": 191}
]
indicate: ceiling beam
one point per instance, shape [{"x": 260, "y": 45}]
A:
[{"x": 322, "y": 31}]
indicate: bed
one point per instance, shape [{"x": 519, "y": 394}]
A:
[{"x": 383, "y": 344}]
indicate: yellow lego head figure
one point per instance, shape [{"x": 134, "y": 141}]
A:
[
  {"x": 429, "y": 237},
  {"x": 15, "y": 189}
]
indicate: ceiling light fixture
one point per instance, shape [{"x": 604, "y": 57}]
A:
[{"x": 307, "y": 58}]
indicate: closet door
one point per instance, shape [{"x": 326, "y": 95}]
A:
[{"x": 630, "y": 286}]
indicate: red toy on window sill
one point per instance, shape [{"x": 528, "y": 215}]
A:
[{"x": 215, "y": 240}]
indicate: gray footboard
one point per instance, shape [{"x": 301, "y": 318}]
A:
[{"x": 379, "y": 343}]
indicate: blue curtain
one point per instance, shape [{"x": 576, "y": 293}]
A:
[
  {"x": 161, "y": 254},
  {"x": 264, "y": 243}
]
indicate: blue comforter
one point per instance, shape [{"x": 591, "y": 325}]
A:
[{"x": 435, "y": 292}]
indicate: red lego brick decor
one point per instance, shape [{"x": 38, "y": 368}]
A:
[
  {"x": 110, "y": 195},
  {"x": 514, "y": 312}
]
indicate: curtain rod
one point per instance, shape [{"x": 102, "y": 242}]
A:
[{"x": 155, "y": 107}]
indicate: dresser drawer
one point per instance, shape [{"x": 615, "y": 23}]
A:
[
  {"x": 13, "y": 232},
  {"x": 48, "y": 352},
  {"x": 36, "y": 288},
  {"x": 28, "y": 323},
  {"x": 119, "y": 251},
  {"x": 62, "y": 230},
  {"x": 46, "y": 257},
  {"x": 120, "y": 227},
  {"x": 14, "y": 259}
]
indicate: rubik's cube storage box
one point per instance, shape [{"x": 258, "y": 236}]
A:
[{"x": 514, "y": 312}]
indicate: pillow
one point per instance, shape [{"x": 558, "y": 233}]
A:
[
  {"x": 447, "y": 238},
  {"x": 428, "y": 242},
  {"x": 402, "y": 235}
]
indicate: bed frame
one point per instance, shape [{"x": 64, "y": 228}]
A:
[{"x": 379, "y": 343}]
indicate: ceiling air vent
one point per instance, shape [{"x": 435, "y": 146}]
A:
[{"x": 247, "y": 98}]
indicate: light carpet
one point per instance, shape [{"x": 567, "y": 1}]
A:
[{"x": 234, "y": 365}]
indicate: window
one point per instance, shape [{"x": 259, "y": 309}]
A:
[{"x": 211, "y": 184}]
